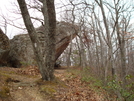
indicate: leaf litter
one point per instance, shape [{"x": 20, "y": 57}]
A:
[{"x": 73, "y": 89}]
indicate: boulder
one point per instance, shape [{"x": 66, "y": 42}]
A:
[
  {"x": 21, "y": 46},
  {"x": 4, "y": 48}
]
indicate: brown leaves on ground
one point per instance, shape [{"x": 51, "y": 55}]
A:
[
  {"x": 69, "y": 86},
  {"x": 76, "y": 90},
  {"x": 31, "y": 70}
]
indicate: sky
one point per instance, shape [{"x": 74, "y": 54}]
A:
[
  {"x": 9, "y": 9},
  {"x": 5, "y": 7}
]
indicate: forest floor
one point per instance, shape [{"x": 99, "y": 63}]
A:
[{"x": 25, "y": 84}]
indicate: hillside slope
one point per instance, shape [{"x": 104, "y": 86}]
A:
[{"x": 25, "y": 84}]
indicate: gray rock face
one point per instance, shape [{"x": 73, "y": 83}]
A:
[
  {"x": 21, "y": 46},
  {"x": 4, "y": 48},
  {"x": 7, "y": 57}
]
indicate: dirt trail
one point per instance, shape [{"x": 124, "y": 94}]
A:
[
  {"x": 24, "y": 87},
  {"x": 27, "y": 89}
]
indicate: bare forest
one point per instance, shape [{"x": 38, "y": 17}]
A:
[{"x": 97, "y": 47}]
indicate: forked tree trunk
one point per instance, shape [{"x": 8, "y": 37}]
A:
[{"x": 46, "y": 67}]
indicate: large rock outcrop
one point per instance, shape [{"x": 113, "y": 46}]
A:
[
  {"x": 7, "y": 57},
  {"x": 21, "y": 46},
  {"x": 4, "y": 48}
]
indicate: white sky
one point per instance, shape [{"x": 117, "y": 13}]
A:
[
  {"x": 8, "y": 9},
  {"x": 5, "y": 7}
]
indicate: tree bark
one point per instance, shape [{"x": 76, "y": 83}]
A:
[
  {"x": 110, "y": 48},
  {"x": 121, "y": 43},
  {"x": 50, "y": 30},
  {"x": 46, "y": 73}
]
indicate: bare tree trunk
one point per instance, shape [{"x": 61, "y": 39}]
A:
[
  {"x": 82, "y": 52},
  {"x": 50, "y": 30},
  {"x": 96, "y": 47},
  {"x": 70, "y": 49},
  {"x": 121, "y": 41},
  {"x": 110, "y": 49},
  {"x": 122, "y": 54},
  {"x": 69, "y": 55},
  {"x": 98, "y": 26},
  {"x": 46, "y": 68},
  {"x": 79, "y": 51}
]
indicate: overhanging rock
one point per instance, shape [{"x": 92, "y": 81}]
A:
[{"x": 21, "y": 46}]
